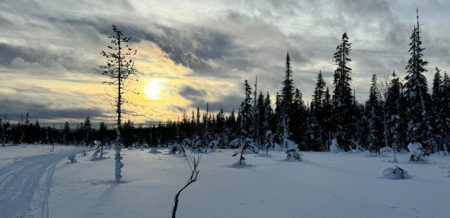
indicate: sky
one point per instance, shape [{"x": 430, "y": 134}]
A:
[{"x": 193, "y": 52}]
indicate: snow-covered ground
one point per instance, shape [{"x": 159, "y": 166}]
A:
[{"x": 322, "y": 185}]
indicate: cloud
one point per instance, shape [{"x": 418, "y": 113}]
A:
[{"x": 15, "y": 107}]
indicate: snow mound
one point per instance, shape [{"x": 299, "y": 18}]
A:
[
  {"x": 263, "y": 155},
  {"x": 239, "y": 165},
  {"x": 368, "y": 154},
  {"x": 154, "y": 151},
  {"x": 71, "y": 159},
  {"x": 448, "y": 167},
  {"x": 386, "y": 150},
  {"x": 395, "y": 173}
]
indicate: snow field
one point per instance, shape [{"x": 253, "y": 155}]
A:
[{"x": 323, "y": 185}]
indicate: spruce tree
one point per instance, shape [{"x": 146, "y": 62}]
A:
[
  {"x": 343, "y": 104},
  {"x": 416, "y": 93},
  {"x": 373, "y": 109},
  {"x": 446, "y": 112},
  {"x": 318, "y": 114},
  {"x": 437, "y": 113}
]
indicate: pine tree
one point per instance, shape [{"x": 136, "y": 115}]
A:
[
  {"x": 416, "y": 93},
  {"x": 118, "y": 67},
  {"x": 343, "y": 104}
]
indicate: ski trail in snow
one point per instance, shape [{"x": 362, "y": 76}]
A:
[{"x": 25, "y": 185}]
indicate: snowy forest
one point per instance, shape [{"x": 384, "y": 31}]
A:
[{"x": 398, "y": 111}]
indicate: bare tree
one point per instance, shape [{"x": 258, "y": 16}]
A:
[
  {"x": 118, "y": 67},
  {"x": 193, "y": 162}
]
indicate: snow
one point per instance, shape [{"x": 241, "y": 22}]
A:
[{"x": 324, "y": 184}]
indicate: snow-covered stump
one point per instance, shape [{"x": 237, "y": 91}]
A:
[{"x": 395, "y": 173}]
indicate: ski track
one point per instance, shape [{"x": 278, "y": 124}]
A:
[{"x": 25, "y": 185}]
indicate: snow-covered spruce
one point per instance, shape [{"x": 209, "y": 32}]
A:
[
  {"x": 247, "y": 144},
  {"x": 395, "y": 173},
  {"x": 292, "y": 151},
  {"x": 416, "y": 153},
  {"x": 334, "y": 146}
]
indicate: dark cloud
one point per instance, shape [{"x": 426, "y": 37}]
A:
[
  {"x": 191, "y": 93},
  {"x": 38, "y": 110}
]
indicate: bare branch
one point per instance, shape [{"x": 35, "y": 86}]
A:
[{"x": 193, "y": 162}]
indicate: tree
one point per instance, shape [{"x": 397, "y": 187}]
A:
[
  {"x": 342, "y": 97},
  {"x": 118, "y": 67},
  {"x": 87, "y": 129},
  {"x": 246, "y": 111},
  {"x": 446, "y": 112},
  {"x": 373, "y": 108},
  {"x": 318, "y": 113},
  {"x": 66, "y": 133},
  {"x": 416, "y": 92},
  {"x": 287, "y": 93},
  {"x": 438, "y": 114}
]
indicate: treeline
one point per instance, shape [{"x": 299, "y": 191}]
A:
[{"x": 396, "y": 113}]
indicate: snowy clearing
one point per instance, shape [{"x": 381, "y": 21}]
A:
[
  {"x": 25, "y": 182},
  {"x": 322, "y": 185}
]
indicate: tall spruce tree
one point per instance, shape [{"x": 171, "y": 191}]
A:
[
  {"x": 118, "y": 67},
  {"x": 343, "y": 104},
  {"x": 416, "y": 93}
]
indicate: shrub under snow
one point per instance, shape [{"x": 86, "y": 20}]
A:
[
  {"x": 395, "y": 173},
  {"x": 334, "y": 146},
  {"x": 415, "y": 152}
]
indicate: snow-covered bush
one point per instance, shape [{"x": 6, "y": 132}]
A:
[
  {"x": 395, "y": 173},
  {"x": 368, "y": 154},
  {"x": 386, "y": 150},
  {"x": 247, "y": 145},
  {"x": 334, "y": 146},
  {"x": 235, "y": 143},
  {"x": 415, "y": 152},
  {"x": 448, "y": 167},
  {"x": 154, "y": 150},
  {"x": 213, "y": 145},
  {"x": 177, "y": 148},
  {"x": 71, "y": 159},
  {"x": 292, "y": 151}
]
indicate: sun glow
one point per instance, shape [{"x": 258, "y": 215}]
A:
[{"x": 153, "y": 89}]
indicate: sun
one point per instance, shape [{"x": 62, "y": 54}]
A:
[{"x": 153, "y": 89}]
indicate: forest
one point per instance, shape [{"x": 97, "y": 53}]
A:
[{"x": 396, "y": 113}]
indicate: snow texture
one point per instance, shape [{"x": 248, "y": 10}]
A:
[
  {"x": 88, "y": 188},
  {"x": 26, "y": 183}
]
